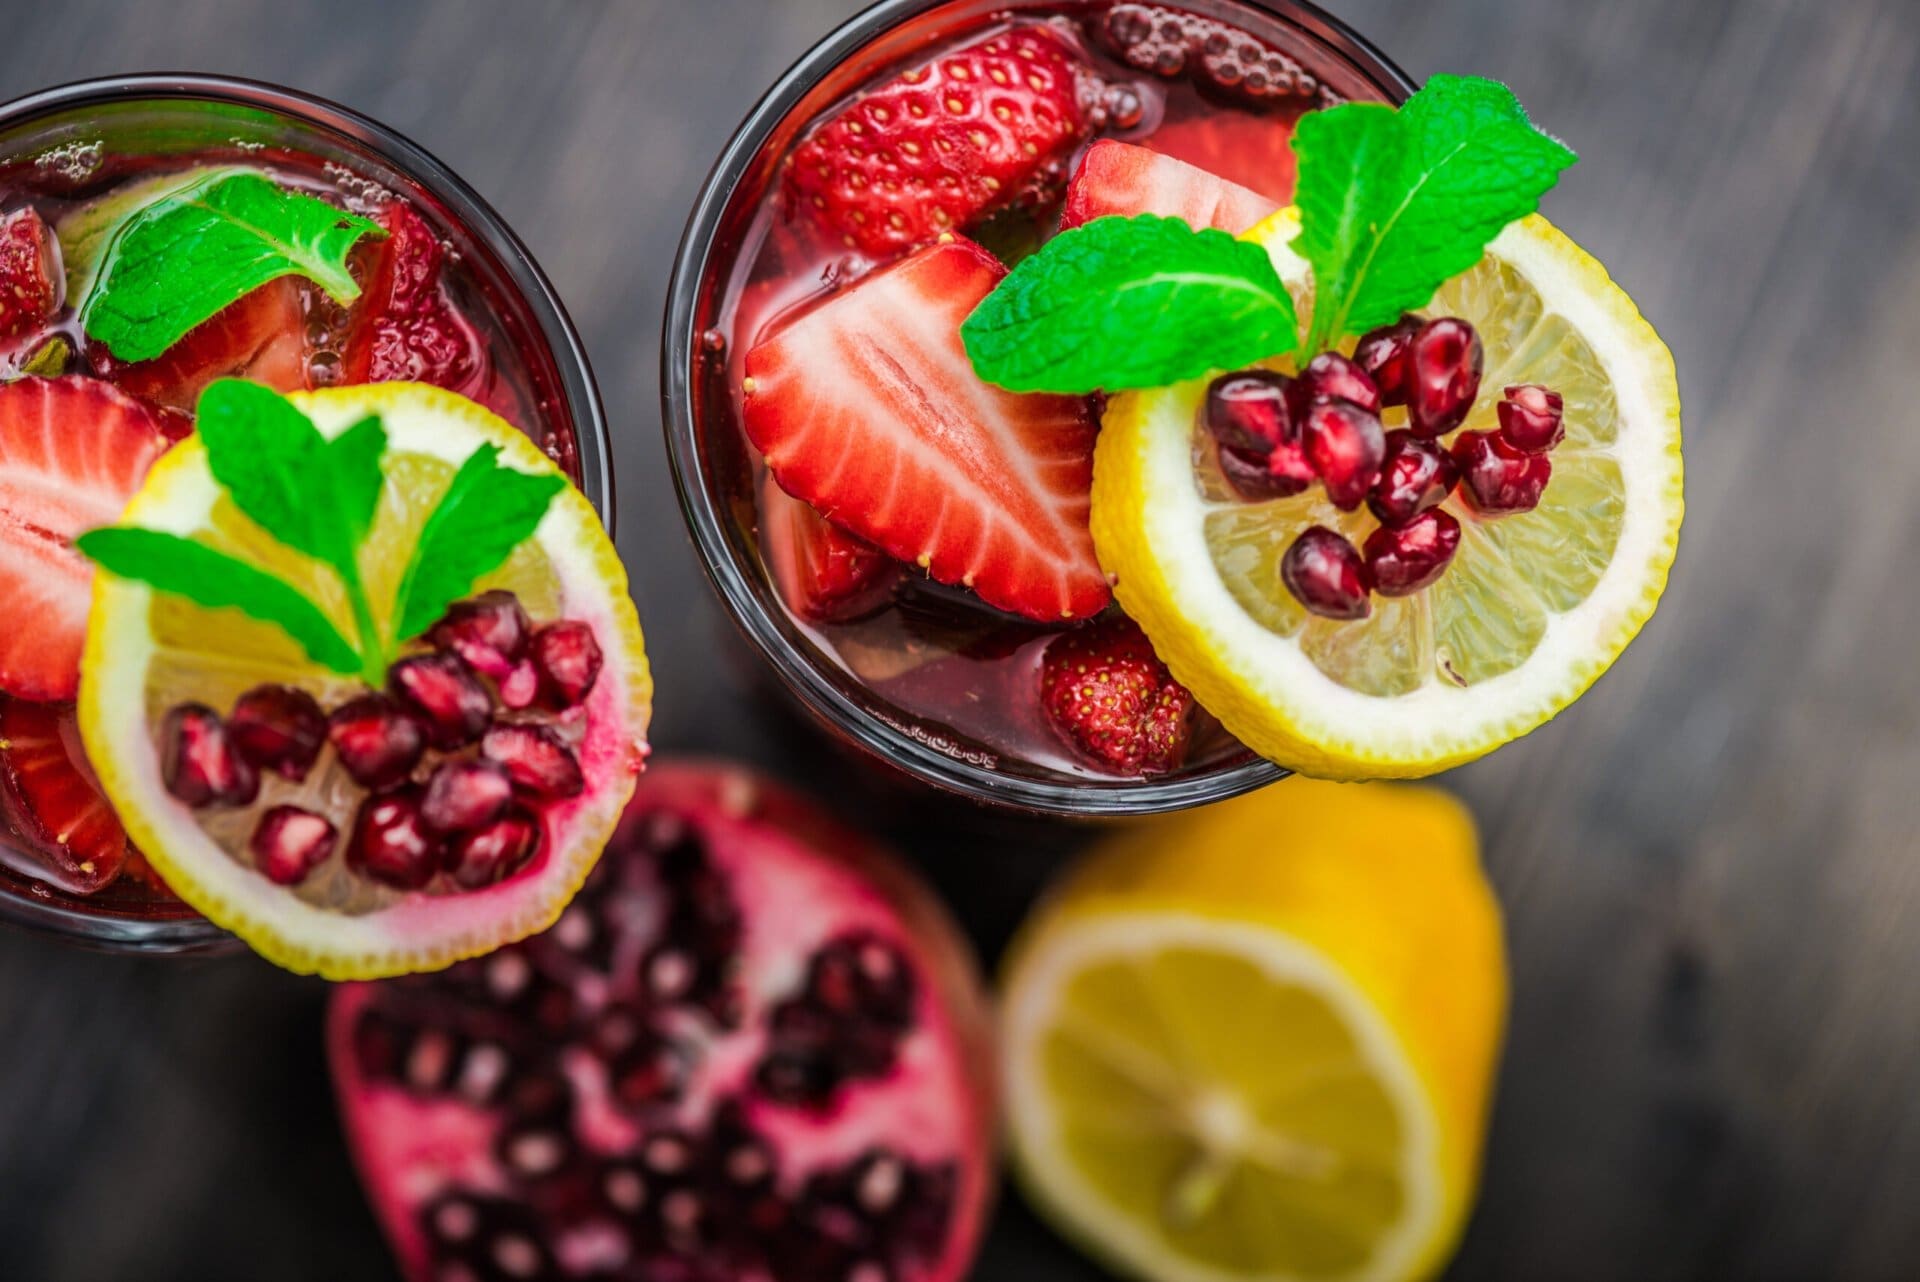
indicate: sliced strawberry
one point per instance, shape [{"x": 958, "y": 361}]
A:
[
  {"x": 1108, "y": 695},
  {"x": 261, "y": 337},
  {"x": 1118, "y": 178},
  {"x": 50, "y": 797},
  {"x": 29, "y": 275},
  {"x": 1253, "y": 151},
  {"x": 404, "y": 327},
  {"x": 935, "y": 148},
  {"x": 823, "y": 573},
  {"x": 72, "y": 452},
  {"x": 867, "y": 408}
]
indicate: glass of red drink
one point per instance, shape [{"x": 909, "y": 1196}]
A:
[
  {"x": 924, "y": 676},
  {"x": 499, "y": 336}
]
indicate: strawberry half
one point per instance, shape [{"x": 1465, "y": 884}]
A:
[
  {"x": 72, "y": 452},
  {"x": 823, "y": 573},
  {"x": 867, "y": 408},
  {"x": 1107, "y": 693},
  {"x": 29, "y": 278},
  {"x": 404, "y": 327},
  {"x": 49, "y": 796},
  {"x": 1119, "y": 178},
  {"x": 1255, "y": 152},
  {"x": 935, "y": 148},
  {"x": 261, "y": 336}
]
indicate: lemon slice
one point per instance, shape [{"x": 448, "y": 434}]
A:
[
  {"x": 148, "y": 652},
  {"x": 1256, "y": 1041},
  {"x": 1533, "y": 608}
]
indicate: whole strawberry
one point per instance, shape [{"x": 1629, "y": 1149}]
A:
[
  {"x": 1109, "y": 695},
  {"x": 935, "y": 148}
]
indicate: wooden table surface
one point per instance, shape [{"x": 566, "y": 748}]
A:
[{"x": 1709, "y": 865}]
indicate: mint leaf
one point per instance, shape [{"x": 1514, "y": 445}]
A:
[
  {"x": 185, "y": 256},
  {"x": 487, "y": 512},
  {"x": 1127, "y": 303},
  {"x": 214, "y": 579},
  {"x": 1394, "y": 204},
  {"x": 86, "y": 232}
]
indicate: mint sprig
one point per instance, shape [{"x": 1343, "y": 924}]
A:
[
  {"x": 319, "y": 496},
  {"x": 198, "y": 247}
]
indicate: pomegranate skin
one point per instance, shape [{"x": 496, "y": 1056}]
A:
[{"x": 932, "y": 1113}]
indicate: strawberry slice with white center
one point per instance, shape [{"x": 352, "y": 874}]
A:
[
  {"x": 824, "y": 573},
  {"x": 868, "y": 408},
  {"x": 72, "y": 452},
  {"x": 1255, "y": 152},
  {"x": 261, "y": 336},
  {"x": 1119, "y": 178},
  {"x": 48, "y": 793}
]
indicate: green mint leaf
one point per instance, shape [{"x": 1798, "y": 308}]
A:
[
  {"x": 314, "y": 495},
  {"x": 487, "y": 512},
  {"x": 1394, "y": 204},
  {"x": 86, "y": 232},
  {"x": 183, "y": 257},
  {"x": 214, "y": 579},
  {"x": 1127, "y": 303}
]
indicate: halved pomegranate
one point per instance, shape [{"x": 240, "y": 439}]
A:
[{"x": 753, "y": 1049}]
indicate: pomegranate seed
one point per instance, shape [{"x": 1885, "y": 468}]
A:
[
  {"x": 465, "y": 796},
  {"x": 378, "y": 741},
  {"x": 444, "y": 691},
  {"x": 1415, "y": 476},
  {"x": 391, "y": 844},
  {"x": 279, "y": 728},
  {"x": 1533, "y": 418},
  {"x": 568, "y": 659},
  {"x": 1499, "y": 478},
  {"x": 489, "y": 632},
  {"x": 492, "y": 854},
  {"x": 290, "y": 843},
  {"x": 1402, "y": 560},
  {"x": 1345, "y": 445},
  {"x": 1382, "y": 354},
  {"x": 1443, "y": 376},
  {"x": 520, "y": 687},
  {"x": 1249, "y": 411},
  {"x": 199, "y": 762},
  {"x": 1334, "y": 377},
  {"x": 1278, "y": 474},
  {"x": 1326, "y": 575},
  {"x": 536, "y": 760}
]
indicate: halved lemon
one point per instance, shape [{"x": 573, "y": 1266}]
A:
[
  {"x": 148, "y": 652},
  {"x": 1256, "y": 1041},
  {"x": 1533, "y": 608}
]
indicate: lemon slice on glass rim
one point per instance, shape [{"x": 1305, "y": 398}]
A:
[
  {"x": 1534, "y": 606},
  {"x": 148, "y": 652}
]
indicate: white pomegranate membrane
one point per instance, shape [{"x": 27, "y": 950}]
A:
[{"x": 751, "y": 1049}]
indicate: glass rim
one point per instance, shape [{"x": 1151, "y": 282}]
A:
[
  {"x": 64, "y": 915},
  {"x": 802, "y": 676}
]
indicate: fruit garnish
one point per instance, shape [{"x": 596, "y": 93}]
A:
[
  {"x": 1107, "y": 694},
  {"x": 685, "y": 1078},
  {"x": 277, "y": 648},
  {"x": 824, "y": 573},
  {"x": 867, "y": 409},
  {"x": 29, "y": 276},
  {"x": 404, "y": 327},
  {"x": 1227, "y": 1067},
  {"x": 1117, "y": 178},
  {"x": 72, "y": 452},
  {"x": 1218, "y": 56},
  {"x": 50, "y": 800},
  {"x": 939, "y": 147},
  {"x": 260, "y": 337}
]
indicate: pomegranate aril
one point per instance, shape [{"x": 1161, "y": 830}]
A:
[
  {"x": 1248, "y": 411},
  {"x": 1415, "y": 475},
  {"x": 1533, "y": 418},
  {"x": 290, "y": 843},
  {"x": 1497, "y": 477},
  {"x": 1332, "y": 376},
  {"x": 1382, "y": 355},
  {"x": 465, "y": 796},
  {"x": 1345, "y": 444},
  {"x": 488, "y": 855},
  {"x": 447, "y": 695},
  {"x": 489, "y": 632},
  {"x": 863, "y": 976},
  {"x": 535, "y": 759},
  {"x": 568, "y": 660},
  {"x": 1326, "y": 575},
  {"x": 654, "y": 1070},
  {"x": 1402, "y": 560},
  {"x": 279, "y": 728},
  {"x": 1444, "y": 364},
  {"x": 200, "y": 763},
  {"x": 521, "y": 686},
  {"x": 391, "y": 842},
  {"x": 1279, "y": 474},
  {"x": 378, "y": 742}
]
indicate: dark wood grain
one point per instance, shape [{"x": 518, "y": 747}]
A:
[{"x": 1710, "y": 864}]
